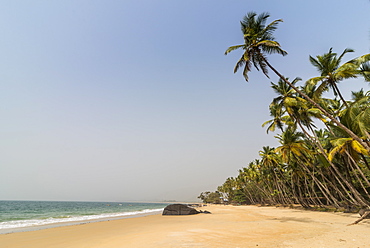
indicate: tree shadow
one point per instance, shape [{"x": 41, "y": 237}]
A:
[{"x": 294, "y": 219}]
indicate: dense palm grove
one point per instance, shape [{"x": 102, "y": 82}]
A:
[{"x": 327, "y": 166}]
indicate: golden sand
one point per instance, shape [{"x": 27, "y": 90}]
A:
[{"x": 227, "y": 226}]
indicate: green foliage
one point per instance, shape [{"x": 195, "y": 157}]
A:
[{"x": 211, "y": 197}]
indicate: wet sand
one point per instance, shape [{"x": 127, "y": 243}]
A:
[{"x": 227, "y": 226}]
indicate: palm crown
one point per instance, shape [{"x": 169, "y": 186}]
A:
[
  {"x": 258, "y": 41},
  {"x": 332, "y": 72}
]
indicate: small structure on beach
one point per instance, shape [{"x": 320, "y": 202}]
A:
[{"x": 179, "y": 209}]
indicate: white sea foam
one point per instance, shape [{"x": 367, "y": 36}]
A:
[{"x": 40, "y": 222}]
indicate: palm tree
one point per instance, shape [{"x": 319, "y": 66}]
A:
[
  {"x": 358, "y": 95},
  {"x": 259, "y": 41},
  {"x": 272, "y": 167},
  {"x": 357, "y": 115},
  {"x": 332, "y": 72},
  {"x": 287, "y": 97},
  {"x": 279, "y": 119}
]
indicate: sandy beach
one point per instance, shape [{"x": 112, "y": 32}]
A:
[{"x": 227, "y": 226}]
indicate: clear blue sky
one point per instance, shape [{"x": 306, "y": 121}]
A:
[{"x": 135, "y": 100}]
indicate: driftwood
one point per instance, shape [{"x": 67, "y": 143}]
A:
[{"x": 364, "y": 213}]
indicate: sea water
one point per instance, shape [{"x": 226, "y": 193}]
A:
[{"x": 28, "y": 215}]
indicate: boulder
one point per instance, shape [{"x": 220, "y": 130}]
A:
[{"x": 179, "y": 209}]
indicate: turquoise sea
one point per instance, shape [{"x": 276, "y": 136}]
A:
[{"x": 30, "y": 215}]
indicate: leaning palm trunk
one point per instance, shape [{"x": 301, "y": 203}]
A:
[
  {"x": 266, "y": 194},
  {"x": 286, "y": 187},
  {"x": 336, "y": 89},
  {"x": 320, "y": 203},
  {"x": 358, "y": 168},
  {"x": 347, "y": 130},
  {"x": 282, "y": 190},
  {"x": 249, "y": 196},
  {"x": 365, "y": 161},
  {"x": 356, "y": 175},
  {"x": 324, "y": 190},
  {"x": 341, "y": 179}
]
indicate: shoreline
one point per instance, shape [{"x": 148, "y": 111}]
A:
[
  {"x": 21, "y": 216},
  {"x": 73, "y": 223},
  {"x": 227, "y": 226}
]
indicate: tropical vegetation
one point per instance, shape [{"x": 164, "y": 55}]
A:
[{"x": 311, "y": 166}]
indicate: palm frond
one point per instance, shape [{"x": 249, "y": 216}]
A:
[
  {"x": 360, "y": 60},
  {"x": 267, "y": 122},
  {"x": 338, "y": 132},
  {"x": 269, "y": 29},
  {"x": 296, "y": 80},
  {"x": 365, "y": 71},
  {"x": 241, "y": 62},
  {"x": 262, "y": 64},
  {"x": 333, "y": 152},
  {"x": 290, "y": 102},
  {"x": 321, "y": 89},
  {"x": 358, "y": 147},
  {"x": 315, "y": 63},
  {"x": 261, "y": 20},
  {"x": 232, "y": 48},
  {"x": 247, "y": 69},
  {"x": 314, "y": 80},
  {"x": 271, "y": 47},
  {"x": 347, "y": 50},
  {"x": 247, "y": 20},
  {"x": 345, "y": 71}
]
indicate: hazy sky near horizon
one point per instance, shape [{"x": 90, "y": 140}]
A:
[{"x": 135, "y": 100}]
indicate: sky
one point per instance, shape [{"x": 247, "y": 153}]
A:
[{"x": 136, "y": 101}]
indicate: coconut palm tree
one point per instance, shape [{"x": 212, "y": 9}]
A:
[
  {"x": 332, "y": 72},
  {"x": 279, "y": 119},
  {"x": 357, "y": 115},
  {"x": 287, "y": 97},
  {"x": 274, "y": 172},
  {"x": 258, "y": 42}
]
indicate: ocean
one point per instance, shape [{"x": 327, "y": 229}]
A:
[{"x": 18, "y": 216}]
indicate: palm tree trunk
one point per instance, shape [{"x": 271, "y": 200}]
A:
[
  {"x": 324, "y": 190},
  {"x": 287, "y": 187},
  {"x": 281, "y": 188},
  {"x": 251, "y": 198},
  {"x": 365, "y": 161},
  {"x": 358, "y": 168},
  {"x": 336, "y": 89},
  {"x": 315, "y": 141},
  {"x": 329, "y": 197}
]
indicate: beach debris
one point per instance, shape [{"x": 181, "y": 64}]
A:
[
  {"x": 179, "y": 209},
  {"x": 364, "y": 213}
]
